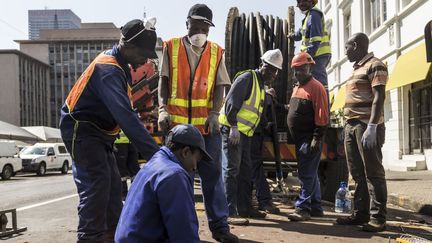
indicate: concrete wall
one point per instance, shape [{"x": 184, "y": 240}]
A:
[
  {"x": 9, "y": 91},
  {"x": 38, "y": 51}
]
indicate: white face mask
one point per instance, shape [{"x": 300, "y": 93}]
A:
[{"x": 198, "y": 40}]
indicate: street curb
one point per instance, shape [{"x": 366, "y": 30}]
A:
[{"x": 408, "y": 203}]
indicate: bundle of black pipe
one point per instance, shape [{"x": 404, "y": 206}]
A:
[{"x": 248, "y": 37}]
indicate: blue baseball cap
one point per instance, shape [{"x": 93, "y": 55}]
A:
[{"x": 189, "y": 135}]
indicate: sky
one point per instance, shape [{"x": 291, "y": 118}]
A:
[{"x": 171, "y": 15}]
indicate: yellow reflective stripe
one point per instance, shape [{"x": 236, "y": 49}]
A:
[
  {"x": 212, "y": 71},
  {"x": 174, "y": 58},
  {"x": 185, "y": 102},
  {"x": 185, "y": 120},
  {"x": 315, "y": 38},
  {"x": 324, "y": 47}
]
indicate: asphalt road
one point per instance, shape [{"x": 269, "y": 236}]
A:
[{"x": 47, "y": 207}]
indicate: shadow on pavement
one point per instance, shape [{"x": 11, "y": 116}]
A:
[
  {"x": 402, "y": 179},
  {"x": 326, "y": 226}
]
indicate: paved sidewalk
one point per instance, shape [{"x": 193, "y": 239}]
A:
[{"x": 411, "y": 190}]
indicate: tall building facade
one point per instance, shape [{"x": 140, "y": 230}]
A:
[
  {"x": 51, "y": 19},
  {"x": 69, "y": 52},
  {"x": 396, "y": 32},
  {"x": 24, "y": 89}
]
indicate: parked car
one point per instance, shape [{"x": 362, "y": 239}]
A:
[
  {"x": 10, "y": 164},
  {"x": 43, "y": 157}
]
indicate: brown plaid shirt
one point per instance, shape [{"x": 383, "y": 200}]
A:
[{"x": 367, "y": 73}]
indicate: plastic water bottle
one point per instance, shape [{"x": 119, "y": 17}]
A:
[{"x": 343, "y": 200}]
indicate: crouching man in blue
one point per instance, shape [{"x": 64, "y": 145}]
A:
[{"x": 160, "y": 204}]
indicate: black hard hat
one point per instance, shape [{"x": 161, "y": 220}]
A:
[
  {"x": 134, "y": 32},
  {"x": 201, "y": 12}
]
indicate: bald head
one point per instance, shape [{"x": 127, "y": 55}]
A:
[{"x": 357, "y": 47}]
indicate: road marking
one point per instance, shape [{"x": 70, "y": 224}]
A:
[{"x": 46, "y": 202}]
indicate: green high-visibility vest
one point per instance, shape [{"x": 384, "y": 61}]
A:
[
  {"x": 324, "y": 47},
  {"x": 249, "y": 115},
  {"x": 122, "y": 139}
]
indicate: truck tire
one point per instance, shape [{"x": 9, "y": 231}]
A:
[
  {"x": 65, "y": 167},
  {"x": 331, "y": 173},
  {"x": 41, "y": 169},
  {"x": 7, "y": 172}
]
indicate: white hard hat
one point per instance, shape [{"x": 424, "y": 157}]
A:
[{"x": 274, "y": 58}]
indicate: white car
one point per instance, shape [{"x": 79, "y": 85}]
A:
[
  {"x": 43, "y": 157},
  {"x": 9, "y": 161}
]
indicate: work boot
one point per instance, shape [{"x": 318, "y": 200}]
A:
[
  {"x": 374, "y": 225},
  {"x": 269, "y": 208},
  {"x": 237, "y": 220},
  {"x": 352, "y": 220},
  {"x": 299, "y": 215},
  {"x": 317, "y": 213},
  {"x": 225, "y": 237},
  {"x": 253, "y": 213}
]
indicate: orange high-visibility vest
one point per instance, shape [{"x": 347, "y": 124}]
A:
[
  {"x": 81, "y": 84},
  {"x": 191, "y": 98}
]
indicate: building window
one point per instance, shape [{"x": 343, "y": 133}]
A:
[
  {"x": 347, "y": 25},
  {"x": 378, "y": 13},
  {"x": 405, "y": 3},
  {"x": 420, "y": 118}
]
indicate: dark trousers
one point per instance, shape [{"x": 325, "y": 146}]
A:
[
  {"x": 366, "y": 168},
  {"x": 258, "y": 177},
  {"x": 98, "y": 183},
  {"x": 127, "y": 163},
  {"x": 237, "y": 173},
  {"x": 319, "y": 71},
  {"x": 309, "y": 198},
  {"x": 212, "y": 185}
]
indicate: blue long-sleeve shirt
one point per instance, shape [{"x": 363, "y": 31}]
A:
[
  {"x": 160, "y": 204},
  {"x": 105, "y": 103},
  {"x": 314, "y": 27}
]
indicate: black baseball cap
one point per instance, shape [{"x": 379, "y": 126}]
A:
[
  {"x": 189, "y": 135},
  {"x": 134, "y": 32},
  {"x": 201, "y": 12}
]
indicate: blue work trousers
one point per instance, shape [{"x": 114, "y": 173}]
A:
[
  {"x": 237, "y": 173},
  {"x": 310, "y": 192},
  {"x": 98, "y": 183},
  {"x": 258, "y": 177},
  {"x": 319, "y": 71},
  {"x": 212, "y": 185}
]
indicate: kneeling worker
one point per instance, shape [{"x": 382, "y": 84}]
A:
[{"x": 160, "y": 204}]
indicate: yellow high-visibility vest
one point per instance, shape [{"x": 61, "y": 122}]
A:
[
  {"x": 249, "y": 115},
  {"x": 324, "y": 47}
]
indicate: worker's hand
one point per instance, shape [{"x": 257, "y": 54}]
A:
[
  {"x": 369, "y": 140},
  {"x": 315, "y": 146},
  {"x": 234, "y": 136},
  {"x": 291, "y": 35},
  {"x": 164, "y": 121},
  {"x": 212, "y": 123},
  {"x": 271, "y": 92}
]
